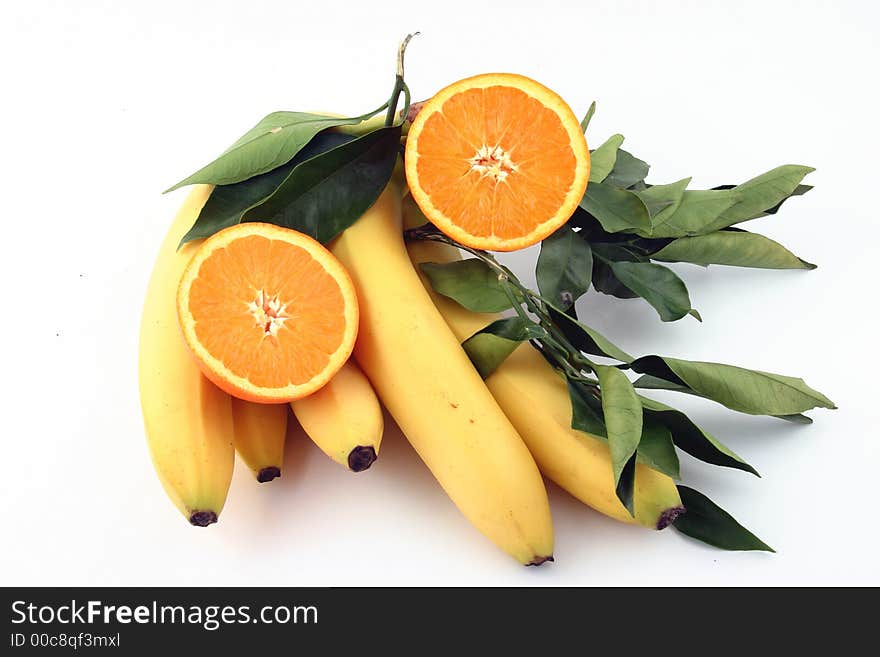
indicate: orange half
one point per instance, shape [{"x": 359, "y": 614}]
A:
[
  {"x": 269, "y": 313},
  {"x": 497, "y": 161}
]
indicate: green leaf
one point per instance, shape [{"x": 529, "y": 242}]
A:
[
  {"x": 471, "y": 283},
  {"x": 564, "y": 267},
  {"x": 747, "y": 391},
  {"x": 586, "y": 410},
  {"x": 623, "y": 420},
  {"x": 228, "y": 203},
  {"x": 488, "y": 347},
  {"x": 658, "y": 285},
  {"x": 269, "y": 144},
  {"x": 616, "y": 209},
  {"x": 707, "y": 522},
  {"x": 800, "y": 190},
  {"x": 606, "y": 282},
  {"x": 762, "y": 193},
  {"x": 796, "y": 418},
  {"x": 691, "y": 438},
  {"x": 585, "y": 122},
  {"x": 326, "y": 194},
  {"x": 697, "y": 212},
  {"x": 621, "y": 251},
  {"x": 650, "y": 382},
  {"x": 603, "y": 158},
  {"x": 628, "y": 170},
  {"x": 663, "y": 200},
  {"x": 586, "y": 339},
  {"x": 656, "y": 449},
  {"x": 735, "y": 248}
]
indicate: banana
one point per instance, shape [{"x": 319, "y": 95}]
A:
[
  {"x": 425, "y": 380},
  {"x": 260, "y": 430},
  {"x": 536, "y": 400},
  {"x": 344, "y": 418},
  {"x": 188, "y": 420}
]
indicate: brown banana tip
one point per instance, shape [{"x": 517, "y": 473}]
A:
[
  {"x": 202, "y": 518},
  {"x": 268, "y": 474},
  {"x": 361, "y": 458},
  {"x": 414, "y": 109},
  {"x": 669, "y": 515},
  {"x": 537, "y": 561}
]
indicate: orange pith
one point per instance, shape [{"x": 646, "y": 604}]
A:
[
  {"x": 268, "y": 312},
  {"x": 497, "y": 161}
]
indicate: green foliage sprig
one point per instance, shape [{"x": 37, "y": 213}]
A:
[
  {"x": 310, "y": 172},
  {"x": 614, "y": 242}
]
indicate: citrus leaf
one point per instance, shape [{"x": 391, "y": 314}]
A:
[
  {"x": 658, "y": 285},
  {"x": 618, "y": 210},
  {"x": 272, "y": 142},
  {"x": 656, "y": 449},
  {"x": 796, "y": 418},
  {"x": 228, "y": 203},
  {"x": 488, "y": 347},
  {"x": 325, "y": 194},
  {"x": 564, "y": 267},
  {"x": 692, "y": 439},
  {"x": 622, "y": 411},
  {"x": 585, "y": 122},
  {"x": 470, "y": 282},
  {"x": 619, "y": 251},
  {"x": 650, "y": 382},
  {"x": 762, "y": 193},
  {"x": 800, "y": 190},
  {"x": 606, "y": 282},
  {"x": 663, "y": 200},
  {"x": 586, "y": 410},
  {"x": 628, "y": 170},
  {"x": 739, "y": 249},
  {"x": 603, "y": 158},
  {"x": 626, "y": 485},
  {"x": 696, "y": 213},
  {"x": 586, "y": 339},
  {"x": 747, "y": 391},
  {"x": 707, "y": 522}
]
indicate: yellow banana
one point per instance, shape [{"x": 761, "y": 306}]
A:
[
  {"x": 426, "y": 381},
  {"x": 536, "y": 400},
  {"x": 188, "y": 420},
  {"x": 259, "y": 436},
  {"x": 344, "y": 418}
]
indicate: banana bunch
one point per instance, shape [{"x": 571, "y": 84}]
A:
[
  {"x": 486, "y": 442},
  {"x": 193, "y": 429}
]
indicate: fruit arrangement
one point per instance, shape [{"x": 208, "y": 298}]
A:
[{"x": 315, "y": 274}]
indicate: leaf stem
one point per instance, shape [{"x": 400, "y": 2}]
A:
[
  {"x": 554, "y": 344},
  {"x": 399, "y": 84}
]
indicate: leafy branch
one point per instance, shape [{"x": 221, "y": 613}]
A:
[
  {"x": 604, "y": 400},
  {"x": 633, "y": 226},
  {"x": 310, "y": 172}
]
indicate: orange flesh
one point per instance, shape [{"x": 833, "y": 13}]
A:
[
  {"x": 532, "y": 135},
  {"x": 234, "y": 319}
]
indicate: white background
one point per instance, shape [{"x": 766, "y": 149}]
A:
[{"x": 105, "y": 104}]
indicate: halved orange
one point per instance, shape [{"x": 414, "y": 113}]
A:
[
  {"x": 269, "y": 313},
  {"x": 497, "y": 161}
]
